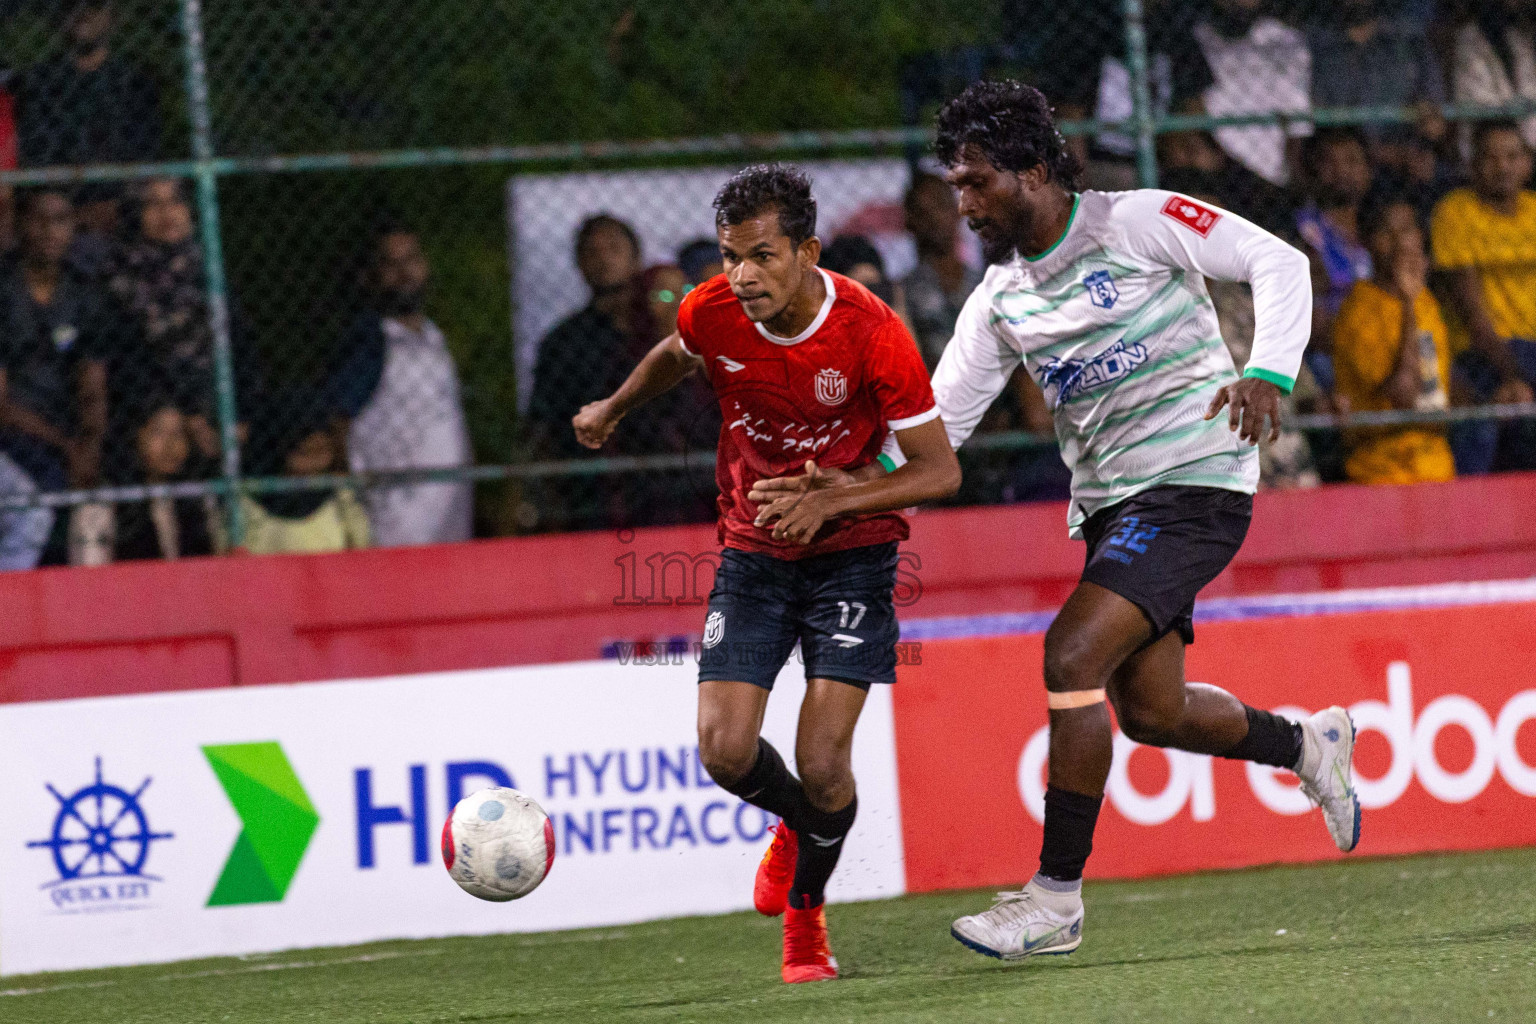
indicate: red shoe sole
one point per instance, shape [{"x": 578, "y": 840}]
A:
[{"x": 801, "y": 975}]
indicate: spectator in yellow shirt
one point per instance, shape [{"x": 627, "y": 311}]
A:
[
  {"x": 1390, "y": 352},
  {"x": 1485, "y": 238}
]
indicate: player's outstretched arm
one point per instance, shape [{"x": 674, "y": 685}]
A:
[
  {"x": 661, "y": 369},
  {"x": 802, "y": 504}
]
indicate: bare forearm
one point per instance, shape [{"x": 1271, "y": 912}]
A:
[
  {"x": 25, "y": 421},
  {"x": 663, "y": 367},
  {"x": 919, "y": 481},
  {"x": 1402, "y": 388}
]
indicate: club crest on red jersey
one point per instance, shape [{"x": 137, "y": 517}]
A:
[
  {"x": 1199, "y": 219},
  {"x": 831, "y": 387}
]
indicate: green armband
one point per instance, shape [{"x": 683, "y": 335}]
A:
[
  {"x": 1279, "y": 380},
  {"x": 888, "y": 462}
]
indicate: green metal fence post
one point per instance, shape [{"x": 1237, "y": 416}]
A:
[
  {"x": 205, "y": 173},
  {"x": 1141, "y": 93}
]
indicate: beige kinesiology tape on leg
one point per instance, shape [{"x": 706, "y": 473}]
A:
[{"x": 1073, "y": 699}]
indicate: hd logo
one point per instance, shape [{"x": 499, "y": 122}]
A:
[{"x": 278, "y": 817}]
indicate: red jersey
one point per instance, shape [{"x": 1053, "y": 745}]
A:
[{"x": 830, "y": 394}]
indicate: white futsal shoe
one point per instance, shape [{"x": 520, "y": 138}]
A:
[
  {"x": 1030, "y": 922},
  {"x": 1327, "y": 760}
]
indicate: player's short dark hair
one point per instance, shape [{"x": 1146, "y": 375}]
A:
[
  {"x": 1012, "y": 125},
  {"x": 783, "y": 188},
  {"x": 1483, "y": 129},
  {"x": 597, "y": 222}
]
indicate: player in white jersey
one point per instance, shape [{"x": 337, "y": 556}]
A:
[{"x": 1102, "y": 297}]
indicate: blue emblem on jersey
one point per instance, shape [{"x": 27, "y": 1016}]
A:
[
  {"x": 1101, "y": 289},
  {"x": 1072, "y": 377}
]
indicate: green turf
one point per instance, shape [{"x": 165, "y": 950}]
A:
[{"x": 1444, "y": 938}]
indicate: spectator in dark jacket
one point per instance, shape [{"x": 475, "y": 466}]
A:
[
  {"x": 583, "y": 358},
  {"x": 158, "y": 279},
  {"x": 56, "y": 335},
  {"x": 88, "y": 105}
]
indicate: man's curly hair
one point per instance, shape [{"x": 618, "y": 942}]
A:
[
  {"x": 1011, "y": 124},
  {"x": 783, "y": 188}
]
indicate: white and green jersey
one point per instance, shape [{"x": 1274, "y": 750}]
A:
[{"x": 1114, "y": 323}]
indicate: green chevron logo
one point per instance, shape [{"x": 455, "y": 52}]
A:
[{"x": 279, "y": 821}]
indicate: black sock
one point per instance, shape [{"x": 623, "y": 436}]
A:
[
  {"x": 821, "y": 843},
  {"x": 1069, "y": 821},
  {"x": 770, "y": 785},
  {"x": 1271, "y": 740}
]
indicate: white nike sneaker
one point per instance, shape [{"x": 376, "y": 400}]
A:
[
  {"x": 1030, "y": 922},
  {"x": 1327, "y": 758}
]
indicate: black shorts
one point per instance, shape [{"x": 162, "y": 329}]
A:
[
  {"x": 837, "y": 606},
  {"x": 1159, "y": 548}
]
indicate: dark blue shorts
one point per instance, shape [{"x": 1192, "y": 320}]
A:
[
  {"x": 1159, "y": 548},
  {"x": 838, "y": 607}
]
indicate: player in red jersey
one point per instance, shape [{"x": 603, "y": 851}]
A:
[{"x": 811, "y": 371}]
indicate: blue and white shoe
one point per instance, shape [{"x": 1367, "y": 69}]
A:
[
  {"x": 1326, "y": 772},
  {"x": 1030, "y": 922}
]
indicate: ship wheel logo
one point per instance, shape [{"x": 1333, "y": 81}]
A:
[{"x": 100, "y": 832}]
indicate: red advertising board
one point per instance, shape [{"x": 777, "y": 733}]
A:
[{"x": 1444, "y": 700}]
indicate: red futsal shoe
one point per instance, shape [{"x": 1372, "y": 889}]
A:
[
  {"x": 770, "y": 894},
  {"x": 807, "y": 957}
]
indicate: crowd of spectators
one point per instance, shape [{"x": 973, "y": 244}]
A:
[
  {"x": 1421, "y": 232},
  {"x": 107, "y": 370}
]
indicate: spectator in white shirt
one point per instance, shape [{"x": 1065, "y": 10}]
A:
[
  {"x": 1259, "y": 65},
  {"x": 399, "y": 389},
  {"x": 1495, "y": 61}
]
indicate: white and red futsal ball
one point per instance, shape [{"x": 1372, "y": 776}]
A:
[{"x": 498, "y": 844}]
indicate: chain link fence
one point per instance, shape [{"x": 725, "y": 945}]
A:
[{"x": 286, "y": 275}]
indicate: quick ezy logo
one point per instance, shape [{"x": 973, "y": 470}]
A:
[{"x": 100, "y": 842}]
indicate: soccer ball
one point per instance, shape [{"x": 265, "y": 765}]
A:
[{"x": 498, "y": 844}]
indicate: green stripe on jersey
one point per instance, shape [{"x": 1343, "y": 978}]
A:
[
  {"x": 1177, "y": 396},
  {"x": 1163, "y": 437},
  {"x": 1119, "y": 483}
]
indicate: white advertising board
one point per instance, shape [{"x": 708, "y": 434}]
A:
[{"x": 156, "y": 828}]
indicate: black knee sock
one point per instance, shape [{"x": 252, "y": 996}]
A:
[
  {"x": 821, "y": 843},
  {"x": 770, "y": 785},
  {"x": 1271, "y": 740},
  {"x": 1069, "y": 821}
]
